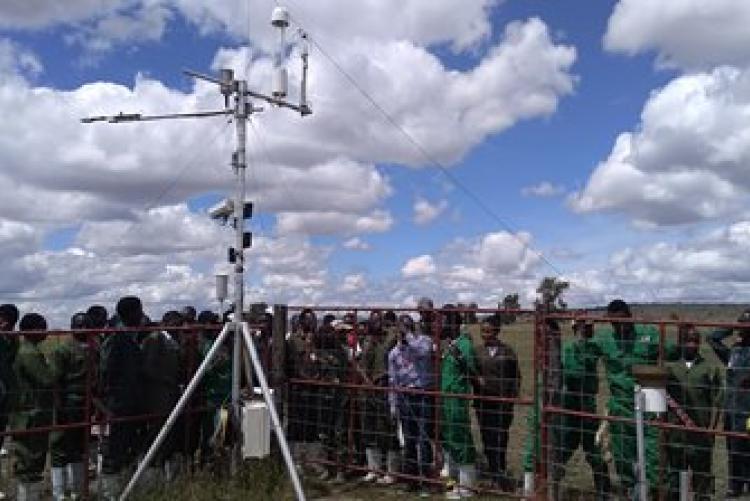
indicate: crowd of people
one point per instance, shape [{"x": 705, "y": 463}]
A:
[
  {"x": 425, "y": 400},
  {"x": 414, "y": 401},
  {"x": 124, "y": 372}
]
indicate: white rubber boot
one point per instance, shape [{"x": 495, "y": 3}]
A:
[
  {"x": 57, "y": 478},
  {"x": 75, "y": 477},
  {"x": 374, "y": 457},
  {"x": 392, "y": 463},
  {"x": 467, "y": 478},
  {"x": 29, "y": 491}
]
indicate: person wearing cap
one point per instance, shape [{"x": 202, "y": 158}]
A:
[
  {"x": 621, "y": 346},
  {"x": 695, "y": 394},
  {"x": 70, "y": 363},
  {"x": 499, "y": 376},
  {"x": 33, "y": 403},
  {"x": 579, "y": 391},
  {"x": 410, "y": 368},
  {"x": 736, "y": 358}
]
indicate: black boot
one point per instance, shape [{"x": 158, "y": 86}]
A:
[{"x": 602, "y": 486}]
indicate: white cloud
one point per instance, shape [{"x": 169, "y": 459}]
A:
[
  {"x": 426, "y": 212},
  {"x": 329, "y": 223},
  {"x": 685, "y": 33},
  {"x": 688, "y": 159},
  {"x": 165, "y": 230},
  {"x": 353, "y": 283},
  {"x": 419, "y": 266},
  {"x": 544, "y": 189},
  {"x": 463, "y": 24},
  {"x": 17, "y": 14},
  {"x": 357, "y": 244}
]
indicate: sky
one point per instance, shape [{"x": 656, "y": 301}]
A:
[{"x": 460, "y": 149}]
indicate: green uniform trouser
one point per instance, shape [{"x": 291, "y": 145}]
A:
[
  {"x": 625, "y": 445},
  {"x": 457, "y": 438},
  {"x": 66, "y": 446},
  {"x": 30, "y": 450},
  {"x": 573, "y": 432},
  {"x": 694, "y": 452}
]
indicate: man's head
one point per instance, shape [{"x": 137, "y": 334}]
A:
[
  {"x": 33, "y": 322},
  {"x": 8, "y": 317},
  {"x": 77, "y": 322},
  {"x": 426, "y": 309},
  {"x": 619, "y": 309},
  {"x": 490, "y": 327},
  {"x": 690, "y": 341},
  {"x": 130, "y": 311},
  {"x": 583, "y": 328},
  {"x": 451, "y": 321},
  {"x": 328, "y": 318},
  {"x": 97, "y": 316},
  {"x": 307, "y": 321},
  {"x": 171, "y": 318},
  {"x": 744, "y": 318},
  {"x": 471, "y": 315},
  {"x": 188, "y": 314},
  {"x": 389, "y": 318},
  {"x": 405, "y": 323},
  {"x": 375, "y": 323}
]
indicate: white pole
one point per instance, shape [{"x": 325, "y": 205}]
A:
[
  {"x": 685, "y": 486},
  {"x": 641, "y": 444},
  {"x": 175, "y": 412},
  {"x": 240, "y": 115},
  {"x": 275, "y": 421}
]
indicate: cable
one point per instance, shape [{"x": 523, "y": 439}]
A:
[{"x": 435, "y": 162}]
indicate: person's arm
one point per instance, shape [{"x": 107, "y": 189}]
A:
[
  {"x": 35, "y": 367},
  {"x": 392, "y": 382},
  {"x": 717, "y": 387},
  {"x": 716, "y": 341}
]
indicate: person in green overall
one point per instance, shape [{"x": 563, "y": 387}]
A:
[
  {"x": 32, "y": 408},
  {"x": 69, "y": 362},
  {"x": 695, "y": 397},
  {"x": 622, "y": 346},
  {"x": 579, "y": 392},
  {"x": 458, "y": 371}
]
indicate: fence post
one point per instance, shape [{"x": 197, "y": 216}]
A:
[{"x": 537, "y": 407}]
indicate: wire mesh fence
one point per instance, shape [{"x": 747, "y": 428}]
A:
[{"x": 449, "y": 401}]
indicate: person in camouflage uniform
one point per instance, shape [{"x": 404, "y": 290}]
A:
[
  {"x": 736, "y": 402},
  {"x": 695, "y": 393},
  {"x": 120, "y": 381},
  {"x": 622, "y": 346},
  {"x": 33, "y": 403},
  {"x": 458, "y": 370},
  {"x": 162, "y": 372},
  {"x": 333, "y": 403},
  {"x": 379, "y": 427},
  {"x": 579, "y": 392},
  {"x": 70, "y": 363}
]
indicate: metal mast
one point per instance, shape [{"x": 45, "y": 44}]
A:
[{"x": 236, "y": 92}]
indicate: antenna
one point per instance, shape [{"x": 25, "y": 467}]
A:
[{"x": 238, "y": 105}]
